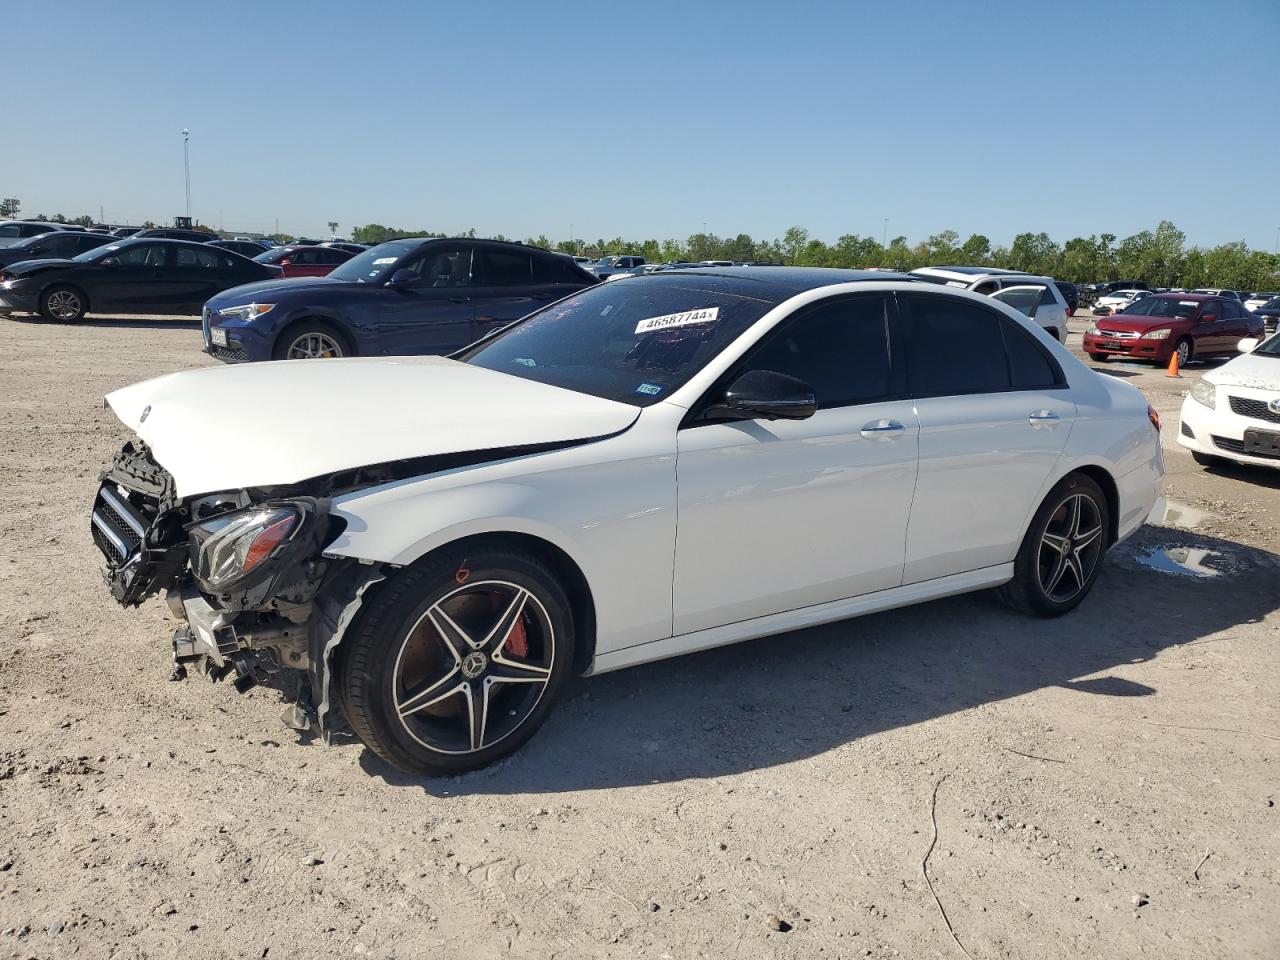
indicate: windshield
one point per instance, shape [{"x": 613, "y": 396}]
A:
[
  {"x": 1162, "y": 307},
  {"x": 375, "y": 263},
  {"x": 97, "y": 253},
  {"x": 1268, "y": 348},
  {"x": 632, "y": 342}
]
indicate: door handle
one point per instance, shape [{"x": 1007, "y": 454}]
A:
[
  {"x": 1042, "y": 419},
  {"x": 882, "y": 430}
]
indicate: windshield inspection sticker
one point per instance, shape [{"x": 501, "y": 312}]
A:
[
  {"x": 688, "y": 318},
  {"x": 649, "y": 389},
  {"x": 383, "y": 261}
]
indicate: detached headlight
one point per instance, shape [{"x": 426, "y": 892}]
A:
[
  {"x": 247, "y": 312},
  {"x": 228, "y": 547},
  {"x": 1161, "y": 334},
  {"x": 1204, "y": 392}
]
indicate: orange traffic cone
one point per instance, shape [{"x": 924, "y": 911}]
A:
[{"x": 1173, "y": 366}]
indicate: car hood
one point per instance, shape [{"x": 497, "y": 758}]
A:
[
  {"x": 1247, "y": 370},
  {"x": 267, "y": 424},
  {"x": 261, "y": 291},
  {"x": 24, "y": 267},
  {"x": 1139, "y": 323}
]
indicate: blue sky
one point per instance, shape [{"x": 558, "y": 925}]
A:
[{"x": 651, "y": 119}]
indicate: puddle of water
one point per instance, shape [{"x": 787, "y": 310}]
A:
[
  {"x": 1178, "y": 514},
  {"x": 1196, "y": 562}
]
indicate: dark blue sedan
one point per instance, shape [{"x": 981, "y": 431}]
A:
[{"x": 411, "y": 296}]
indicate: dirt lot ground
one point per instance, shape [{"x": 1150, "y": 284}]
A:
[{"x": 1105, "y": 784}]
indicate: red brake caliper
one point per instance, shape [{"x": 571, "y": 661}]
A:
[{"x": 518, "y": 640}]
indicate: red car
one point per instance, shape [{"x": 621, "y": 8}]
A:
[
  {"x": 1153, "y": 328},
  {"x": 305, "y": 261}
]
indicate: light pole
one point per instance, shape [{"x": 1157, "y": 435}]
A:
[
  {"x": 1277, "y": 247},
  {"x": 884, "y": 233},
  {"x": 186, "y": 165},
  {"x": 333, "y": 228}
]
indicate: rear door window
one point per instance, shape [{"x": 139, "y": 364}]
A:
[
  {"x": 953, "y": 348},
  {"x": 195, "y": 257},
  {"x": 503, "y": 268},
  {"x": 60, "y": 245}
]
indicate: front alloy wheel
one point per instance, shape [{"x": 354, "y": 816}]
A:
[
  {"x": 457, "y": 660},
  {"x": 473, "y": 667},
  {"x": 314, "y": 346},
  {"x": 63, "y": 304},
  {"x": 1184, "y": 352}
]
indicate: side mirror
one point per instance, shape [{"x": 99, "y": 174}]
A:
[
  {"x": 404, "y": 278},
  {"x": 1208, "y": 317},
  {"x": 764, "y": 394},
  {"x": 1247, "y": 344}
]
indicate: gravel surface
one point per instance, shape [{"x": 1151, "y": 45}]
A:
[{"x": 1099, "y": 785}]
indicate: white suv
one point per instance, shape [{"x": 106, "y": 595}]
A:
[{"x": 1037, "y": 297}]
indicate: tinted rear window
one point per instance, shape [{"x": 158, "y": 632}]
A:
[{"x": 953, "y": 347}]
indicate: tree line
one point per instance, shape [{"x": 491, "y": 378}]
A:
[{"x": 1160, "y": 257}]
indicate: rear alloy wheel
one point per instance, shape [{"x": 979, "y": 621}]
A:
[
  {"x": 1184, "y": 351},
  {"x": 311, "y": 341},
  {"x": 1061, "y": 554},
  {"x": 63, "y": 304},
  {"x": 457, "y": 661}
]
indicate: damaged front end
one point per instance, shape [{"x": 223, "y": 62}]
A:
[{"x": 243, "y": 569}]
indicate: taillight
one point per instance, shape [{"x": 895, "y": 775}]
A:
[{"x": 1153, "y": 417}]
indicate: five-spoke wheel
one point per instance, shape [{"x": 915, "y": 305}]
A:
[
  {"x": 457, "y": 660},
  {"x": 1061, "y": 553},
  {"x": 1070, "y": 547},
  {"x": 474, "y": 666},
  {"x": 312, "y": 340}
]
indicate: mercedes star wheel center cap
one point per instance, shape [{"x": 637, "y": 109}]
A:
[{"x": 473, "y": 664}]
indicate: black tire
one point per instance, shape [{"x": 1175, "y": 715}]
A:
[
  {"x": 1186, "y": 351},
  {"x": 1038, "y": 560},
  {"x": 398, "y": 646},
  {"x": 288, "y": 343},
  {"x": 63, "y": 303},
  {"x": 1098, "y": 357},
  {"x": 1207, "y": 459}
]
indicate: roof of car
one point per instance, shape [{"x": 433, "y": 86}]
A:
[
  {"x": 129, "y": 241},
  {"x": 975, "y": 271},
  {"x": 1187, "y": 296},
  {"x": 775, "y": 283}
]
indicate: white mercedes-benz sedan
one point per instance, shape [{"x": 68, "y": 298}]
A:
[{"x": 641, "y": 470}]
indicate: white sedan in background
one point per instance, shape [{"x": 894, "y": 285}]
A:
[
  {"x": 1117, "y": 300},
  {"x": 1233, "y": 411},
  {"x": 1259, "y": 299},
  {"x": 641, "y": 470}
]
